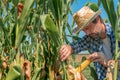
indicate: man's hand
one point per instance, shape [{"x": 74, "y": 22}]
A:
[
  {"x": 65, "y": 51},
  {"x": 99, "y": 57}
]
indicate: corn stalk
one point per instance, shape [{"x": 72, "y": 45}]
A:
[{"x": 114, "y": 18}]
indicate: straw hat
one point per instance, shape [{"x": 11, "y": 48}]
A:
[{"x": 83, "y": 17}]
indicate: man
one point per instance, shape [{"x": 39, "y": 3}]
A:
[{"x": 99, "y": 38}]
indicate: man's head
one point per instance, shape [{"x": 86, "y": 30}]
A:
[
  {"x": 88, "y": 21},
  {"x": 95, "y": 28}
]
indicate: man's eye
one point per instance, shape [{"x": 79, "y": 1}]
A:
[
  {"x": 95, "y": 21},
  {"x": 86, "y": 28}
]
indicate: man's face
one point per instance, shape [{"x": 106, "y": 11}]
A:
[{"x": 93, "y": 29}]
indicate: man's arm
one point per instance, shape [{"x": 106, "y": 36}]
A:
[
  {"x": 100, "y": 57},
  {"x": 81, "y": 45}
]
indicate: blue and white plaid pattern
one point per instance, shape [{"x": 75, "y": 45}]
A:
[{"x": 95, "y": 45}]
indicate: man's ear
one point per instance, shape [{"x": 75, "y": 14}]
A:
[{"x": 98, "y": 19}]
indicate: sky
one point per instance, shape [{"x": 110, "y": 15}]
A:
[{"x": 79, "y": 4}]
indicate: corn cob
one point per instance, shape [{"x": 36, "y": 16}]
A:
[
  {"x": 83, "y": 65},
  {"x": 79, "y": 69}
]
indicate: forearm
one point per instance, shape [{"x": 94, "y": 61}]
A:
[{"x": 75, "y": 47}]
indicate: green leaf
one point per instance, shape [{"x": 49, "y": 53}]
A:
[
  {"x": 1, "y": 24},
  {"x": 15, "y": 2},
  {"x": 109, "y": 8},
  {"x": 14, "y": 73},
  {"x": 37, "y": 72},
  {"x": 22, "y": 24},
  {"x": 93, "y": 6},
  {"x": 51, "y": 29},
  {"x": 2, "y": 28},
  {"x": 69, "y": 29},
  {"x": 118, "y": 9},
  {"x": 56, "y": 8},
  {"x": 117, "y": 32}
]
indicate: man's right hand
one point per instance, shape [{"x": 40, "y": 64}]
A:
[{"x": 65, "y": 51}]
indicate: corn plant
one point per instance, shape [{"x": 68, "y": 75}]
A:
[
  {"x": 32, "y": 32},
  {"x": 114, "y": 18}
]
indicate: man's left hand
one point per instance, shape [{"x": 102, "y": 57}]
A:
[{"x": 99, "y": 57}]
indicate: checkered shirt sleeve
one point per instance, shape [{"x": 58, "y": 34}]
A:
[
  {"x": 86, "y": 43},
  {"x": 81, "y": 45}
]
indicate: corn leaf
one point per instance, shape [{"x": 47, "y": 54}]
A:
[
  {"x": 117, "y": 32},
  {"x": 56, "y": 8},
  {"x": 93, "y": 6},
  {"x": 22, "y": 24},
  {"x": 37, "y": 72},
  {"x": 15, "y": 73},
  {"x": 109, "y": 8},
  {"x": 51, "y": 29}
]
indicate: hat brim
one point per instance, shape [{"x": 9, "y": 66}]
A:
[{"x": 77, "y": 29}]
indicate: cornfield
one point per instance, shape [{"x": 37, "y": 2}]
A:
[{"x": 32, "y": 32}]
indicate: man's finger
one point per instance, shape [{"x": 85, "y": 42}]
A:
[
  {"x": 64, "y": 46},
  {"x": 64, "y": 55}
]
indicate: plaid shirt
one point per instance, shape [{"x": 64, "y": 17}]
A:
[{"x": 95, "y": 45}]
